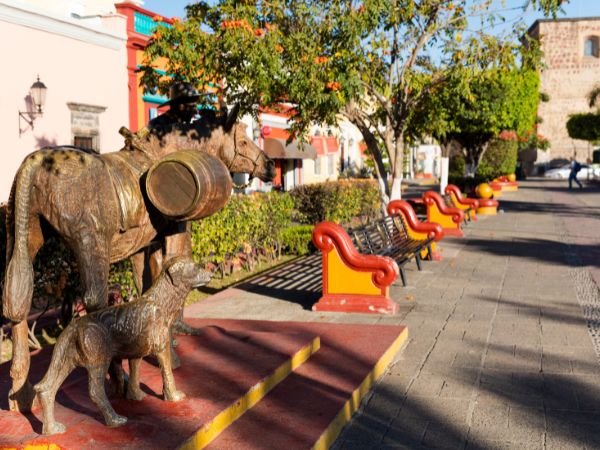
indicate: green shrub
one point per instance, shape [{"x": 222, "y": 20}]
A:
[
  {"x": 297, "y": 240},
  {"x": 337, "y": 201},
  {"x": 248, "y": 227},
  {"x": 499, "y": 159},
  {"x": 456, "y": 166}
]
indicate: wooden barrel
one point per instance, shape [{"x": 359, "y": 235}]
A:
[{"x": 188, "y": 185}]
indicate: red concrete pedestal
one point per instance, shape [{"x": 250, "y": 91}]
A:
[
  {"x": 308, "y": 409},
  {"x": 223, "y": 372},
  {"x": 369, "y": 304}
]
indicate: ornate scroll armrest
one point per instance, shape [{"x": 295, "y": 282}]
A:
[
  {"x": 453, "y": 189},
  {"x": 329, "y": 235},
  {"x": 432, "y": 230},
  {"x": 456, "y": 214}
]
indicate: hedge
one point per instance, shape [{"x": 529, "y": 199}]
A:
[
  {"x": 337, "y": 201},
  {"x": 247, "y": 228},
  {"x": 499, "y": 159},
  {"x": 585, "y": 126}
]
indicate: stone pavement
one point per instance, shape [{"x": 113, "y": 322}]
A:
[{"x": 503, "y": 333}]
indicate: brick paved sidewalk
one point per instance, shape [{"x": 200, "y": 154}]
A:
[{"x": 499, "y": 354}]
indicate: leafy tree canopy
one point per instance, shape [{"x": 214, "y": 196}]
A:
[
  {"x": 372, "y": 61},
  {"x": 585, "y": 126}
]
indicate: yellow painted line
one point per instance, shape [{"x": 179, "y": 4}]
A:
[
  {"x": 329, "y": 436},
  {"x": 212, "y": 429},
  {"x": 39, "y": 447}
]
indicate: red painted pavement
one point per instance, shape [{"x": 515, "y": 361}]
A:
[
  {"x": 292, "y": 416},
  {"x": 217, "y": 369},
  {"x": 298, "y": 410}
]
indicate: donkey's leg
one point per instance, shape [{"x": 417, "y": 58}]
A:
[
  {"x": 21, "y": 394},
  {"x": 180, "y": 244},
  {"x": 138, "y": 265},
  {"x": 92, "y": 252}
]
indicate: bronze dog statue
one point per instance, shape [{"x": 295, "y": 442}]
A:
[{"x": 132, "y": 330}]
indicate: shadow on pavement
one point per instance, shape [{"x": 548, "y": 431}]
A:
[
  {"x": 297, "y": 282},
  {"x": 539, "y": 249}
]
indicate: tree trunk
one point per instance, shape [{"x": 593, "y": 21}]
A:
[
  {"x": 398, "y": 162},
  {"x": 473, "y": 157}
]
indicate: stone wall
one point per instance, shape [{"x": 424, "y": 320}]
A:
[{"x": 568, "y": 77}]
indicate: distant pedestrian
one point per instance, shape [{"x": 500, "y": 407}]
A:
[{"x": 575, "y": 168}]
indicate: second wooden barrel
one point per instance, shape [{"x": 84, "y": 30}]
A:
[{"x": 188, "y": 185}]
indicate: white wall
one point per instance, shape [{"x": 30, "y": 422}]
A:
[{"x": 78, "y": 62}]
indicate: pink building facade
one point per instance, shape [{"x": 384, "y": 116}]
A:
[{"x": 78, "y": 50}]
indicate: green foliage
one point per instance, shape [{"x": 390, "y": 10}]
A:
[
  {"x": 473, "y": 113},
  {"x": 499, "y": 159},
  {"x": 374, "y": 62},
  {"x": 249, "y": 226},
  {"x": 297, "y": 240},
  {"x": 337, "y": 201},
  {"x": 585, "y": 126},
  {"x": 120, "y": 279}
]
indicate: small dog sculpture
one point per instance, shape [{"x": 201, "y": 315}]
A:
[{"x": 132, "y": 330}]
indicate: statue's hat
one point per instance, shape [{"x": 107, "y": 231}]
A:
[{"x": 182, "y": 93}]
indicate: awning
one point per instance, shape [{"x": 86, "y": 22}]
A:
[
  {"x": 278, "y": 149},
  {"x": 325, "y": 144}
]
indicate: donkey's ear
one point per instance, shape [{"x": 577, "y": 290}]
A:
[{"x": 231, "y": 118}]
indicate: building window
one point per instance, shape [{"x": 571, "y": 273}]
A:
[
  {"x": 590, "y": 47},
  {"x": 330, "y": 164},
  {"x": 84, "y": 142},
  {"x": 85, "y": 125},
  {"x": 318, "y": 166}
]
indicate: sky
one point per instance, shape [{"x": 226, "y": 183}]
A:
[{"x": 575, "y": 8}]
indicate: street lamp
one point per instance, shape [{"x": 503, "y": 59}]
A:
[{"x": 37, "y": 93}]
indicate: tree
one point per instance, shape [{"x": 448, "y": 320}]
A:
[
  {"x": 586, "y": 126},
  {"x": 372, "y": 61},
  {"x": 471, "y": 114}
]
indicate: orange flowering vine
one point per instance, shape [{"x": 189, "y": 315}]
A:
[{"x": 333, "y": 85}]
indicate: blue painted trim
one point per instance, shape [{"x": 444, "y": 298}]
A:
[
  {"x": 155, "y": 98},
  {"x": 144, "y": 24}
]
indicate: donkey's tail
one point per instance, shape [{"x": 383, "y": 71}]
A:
[{"x": 18, "y": 281}]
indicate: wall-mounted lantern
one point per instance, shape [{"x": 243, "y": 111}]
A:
[{"x": 37, "y": 93}]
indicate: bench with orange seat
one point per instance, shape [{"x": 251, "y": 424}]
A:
[
  {"x": 352, "y": 282},
  {"x": 437, "y": 212},
  {"x": 468, "y": 205},
  {"x": 416, "y": 229}
]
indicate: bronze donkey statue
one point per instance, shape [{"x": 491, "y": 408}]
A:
[
  {"x": 97, "y": 205},
  {"x": 131, "y": 330}
]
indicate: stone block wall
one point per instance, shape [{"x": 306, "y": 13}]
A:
[{"x": 568, "y": 77}]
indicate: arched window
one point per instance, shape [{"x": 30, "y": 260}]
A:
[{"x": 590, "y": 47}]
